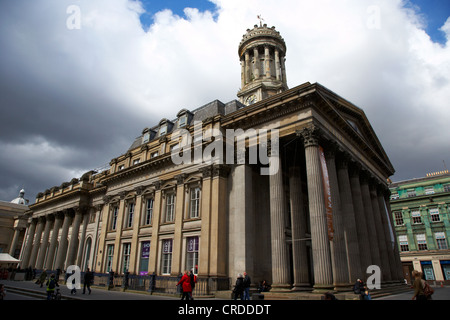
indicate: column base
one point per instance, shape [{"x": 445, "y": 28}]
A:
[
  {"x": 343, "y": 287},
  {"x": 301, "y": 287},
  {"x": 323, "y": 288},
  {"x": 281, "y": 288}
]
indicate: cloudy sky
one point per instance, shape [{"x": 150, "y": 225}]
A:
[{"x": 80, "y": 79}]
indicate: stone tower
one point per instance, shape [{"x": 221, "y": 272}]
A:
[{"x": 262, "y": 53}]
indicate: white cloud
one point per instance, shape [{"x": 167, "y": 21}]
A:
[{"x": 108, "y": 80}]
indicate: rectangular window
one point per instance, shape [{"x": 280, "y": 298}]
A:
[
  {"x": 148, "y": 211},
  {"x": 403, "y": 242},
  {"x": 115, "y": 212},
  {"x": 192, "y": 254},
  {"x": 109, "y": 257},
  {"x": 441, "y": 241},
  {"x": 126, "y": 257},
  {"x": 121, "y": 167},
  {"x": 411, "y": 193},
  {"x": 145, "y": 255},
  {"x": 429, "y": 190},
  {"x": 434, "y": 214},
  {"x": 394, "y": 196},
  {"x": 421, "y": 242},
  {"x": 447, "y": 188},
  {"x": 167, "y": 257},
  {"x": 130, "y": 215},
  {"x": 154, "y": 154},
  {"x": 136, "y": 161},
  {"x": 194, "y": 211},
  {"x": 398, "y": 215},
  {"x": 170, "y": 207},
  {"x": 416, "y": 217}
]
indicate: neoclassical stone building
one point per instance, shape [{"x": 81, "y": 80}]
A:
[{"x": 316, "y": 222}]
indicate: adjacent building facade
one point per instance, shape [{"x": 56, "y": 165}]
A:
[
  {"x": 289, "y": 185},
  {"x": 13, "y": 220},
  {"x": 421, "y": 214}
]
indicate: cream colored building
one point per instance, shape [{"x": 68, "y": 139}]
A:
[
  {"x": 13, "y": 217},
  {"x": 317, "y": 222}
]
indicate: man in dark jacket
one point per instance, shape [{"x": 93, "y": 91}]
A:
[
  {"x": 239, "y": 288},
  {"x": 88, "y": 279},
  {"x": 247, "y": 282}
]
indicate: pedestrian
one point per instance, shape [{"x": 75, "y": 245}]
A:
[
  {"x": 193, "y": 279},
  {"x": 246, "y": 285},
  {"x": 42, "y": 278},
  {"x": 2, "y": 291},
  {"x": 358, "y": 288},
  {"x": 418, "y": 286},
  {"x": 239, "y": 287},
  {"x": 52, "y": 283},
  {"x": 186, "y": 286},
  {"x": 88, "y": 279}
]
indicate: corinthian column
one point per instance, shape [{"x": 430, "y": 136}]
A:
[
  {"x": 29, "y": 244},
  {"x": 43, "y": 248},
  {"x": 62, "y": 248},
  {"x": 280, "y": 254},
  {"x": 73, "y": 245},
  {"x": 323, "y": 278},
  {"x": 298, "y": 223},
  {"x": 54, "y": 240},
  {"x": 37, "y": 242}
]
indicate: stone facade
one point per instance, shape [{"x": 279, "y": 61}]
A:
[
  {"x": 421, "y": 216},
  {"x": 315, "y": 223}
]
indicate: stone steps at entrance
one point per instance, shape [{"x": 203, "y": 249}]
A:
[{"x": 387, "y": 289}]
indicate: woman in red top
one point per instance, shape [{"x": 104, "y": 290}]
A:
[{"x": 186, "y": 286}]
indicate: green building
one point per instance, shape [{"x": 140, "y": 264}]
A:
[{"x": 421, "y": 213}]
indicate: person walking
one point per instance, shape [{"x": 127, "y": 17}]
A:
[
  {"x": 186, "y": 286},
  {"x": 246, "y": 285},
  {"x": 239, "y": 287},
  {"x": 42, "y": 278},
  {"x": 52, "y": 283},
  {"x": 418, "y": 286},
  {"x": 88, "y": 279}
]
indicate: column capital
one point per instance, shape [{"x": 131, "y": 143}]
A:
[{"x": 310, "y": 135}]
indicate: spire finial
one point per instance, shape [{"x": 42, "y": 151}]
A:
[{"x": 260, "y": 18}]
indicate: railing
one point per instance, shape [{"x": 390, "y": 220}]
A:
[{"x": 152, "y": 283}]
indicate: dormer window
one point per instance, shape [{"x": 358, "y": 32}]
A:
[
  {"x": 182, "y": 121},
  {"x": 146, "y": 137},
  {"x": 163, "y": 130}
]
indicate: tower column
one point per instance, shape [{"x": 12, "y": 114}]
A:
[{"x": 256, "y": 63}]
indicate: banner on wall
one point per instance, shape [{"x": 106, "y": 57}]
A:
[{"x": 327, "y": 194}]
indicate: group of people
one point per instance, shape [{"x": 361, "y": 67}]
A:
[
  {"x": 242, "y": 287},
  {"x": 187, "y": 282},
  {"x": 52, "y": 282}
]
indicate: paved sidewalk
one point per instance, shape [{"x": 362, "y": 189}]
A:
[{"x": 98, "y": 293}]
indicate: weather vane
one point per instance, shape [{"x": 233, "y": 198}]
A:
[{"x": 260, "y": 19}]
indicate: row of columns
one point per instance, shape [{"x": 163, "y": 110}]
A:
[
  {"x": 44, "y": 251},
  {"x": 251, "y": 65},
  {"x": 361, "y": 233}
]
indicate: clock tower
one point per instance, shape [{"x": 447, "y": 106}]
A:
[{"x": 262, "y": 53}]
